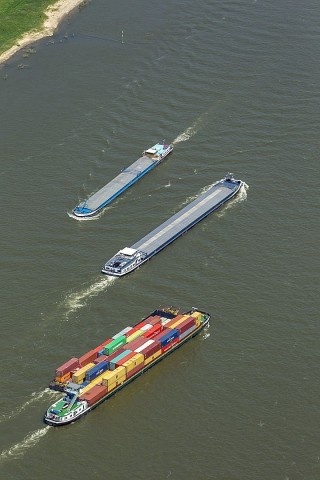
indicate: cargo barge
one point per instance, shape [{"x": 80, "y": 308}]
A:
[
  {"x": 128, "y": 259},
  {"x": 103, "y": 371},
  {"x": 130, "y": 175}
]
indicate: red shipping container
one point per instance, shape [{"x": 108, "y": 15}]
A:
[
  {"x": 71, "y": 364},
  {"x": 94, "y": 394},
  {"x": 135, "y": 370},
  {"x": 185, "y": 325},
  {"x": 101, "y": 347},
  {"x": 102, "y": 358},
  {"x": 157, "y": 338},
  {"x": 88, "y": 358},
  {"x": 170, "y": 345},
  {"x": 150, "y": 350},
  {"x": 157, "y": 328},
  {"x": 125, "y": 359},
  {"x": 115, "y": 354},
  {"x": 173, "y": 321},
  {"x": 151, "y": 320},
  {"x": 136, "y": 343}
]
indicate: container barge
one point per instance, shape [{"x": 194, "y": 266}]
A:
[
  {"x": 128, "y": 259},
  {"x": 150, "y": 159},
  {"x": 100, "y": 373}
]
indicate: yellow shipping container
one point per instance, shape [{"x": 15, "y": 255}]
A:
[
  {"x": 182, "y": 319},
  {"x": 80, "y": 374},
  {"x": 134, "y": 335},
  {"x": 93, "y": 383},
  {"x": 116, "y": 375},
  {"x": 153, "y": 357},
  {"x": 137, "y": 359}
]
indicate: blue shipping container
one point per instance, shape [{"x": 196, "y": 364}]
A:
[
  {"x": 187, "y": 332},
  {"x": 112, "y": 363},
  {"x": 168, "y": 337},
  {"x": 95, "y": 371}
]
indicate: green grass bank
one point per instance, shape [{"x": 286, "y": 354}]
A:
[{"x": 18, "y": 17}]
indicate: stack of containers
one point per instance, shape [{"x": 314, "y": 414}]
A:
[
  {"x": 63, "y": 373},
  {"x": 116, "y": 361},
  {"x": 115, "y": 344},
  {"x": 136, "y": 343},
  {"x": 167, "y": 338},
  {"x": 94, "y": 394},
  {"x": 88, "y": 357},
  {"x": 133, "y": 364},
  {"x": 185, "y": 325},
  {"x": 150, "y": 350},
  {"x": 112, "y": 379},
  {"x": 153, "y": 331},
  {"x": 96, "y": 371},
  {"x": 79, "y": 376},
  {"x": 133, "y": 334}
]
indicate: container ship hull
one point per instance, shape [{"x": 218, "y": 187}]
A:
[
  {"x": 82, "y": 407},
  {"x": 129, "y": 259},
  {"x": 129, "y": 176}
]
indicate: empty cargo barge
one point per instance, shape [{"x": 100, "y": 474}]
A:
[
  {"x": 150, "y": 158},
  {"x": 100, "y": 373},
  {"x": 128, "y": 259}
]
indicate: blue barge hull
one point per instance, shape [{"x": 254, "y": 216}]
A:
[
  {"x": 128, "y": 259},
  {"x": 150, "y": 158}
]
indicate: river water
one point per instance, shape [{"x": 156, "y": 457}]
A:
[{"x": 235, "y": 85}]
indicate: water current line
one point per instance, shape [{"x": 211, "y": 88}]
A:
[
  {"x": 35, "y": 397},
  {"x": 76, "y": 300},
  {"x": 19, "y": 449}
]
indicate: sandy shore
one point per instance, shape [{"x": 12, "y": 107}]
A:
[{"x": 54, "y": 14}]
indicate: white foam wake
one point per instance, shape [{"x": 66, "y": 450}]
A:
[
  {"x": 20, "y": 448},
  {"x": 76, "y": 300},
  {"x": 35, "y": 396},
  {"x": 240, "y": 197},
  {"x": 194, "y": 197},
  {"x": 190, "y": 131}
]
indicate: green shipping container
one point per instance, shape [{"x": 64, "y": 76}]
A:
[{"x": 114, "y": 345}]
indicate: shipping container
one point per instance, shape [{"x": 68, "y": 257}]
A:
[
  {"x": 67, "y": 367},
  {"x": 95, "y": 394},
  {"x": 135, "y": 370},
  {"x": 166, "y": 336},
  {"x": 153, "y": 331},
  {"x": 146, "y": 327},
  {"x": 170, "y": 345},
  {"x": 150, "y": 349},
  {"x": 152, "y": 320},
  {"x": 152, "y": 357},
  {"x": 91, "y": 384},
  {"x": 136, "y": 343},
  {"x": 123, "y": 332},
  {"x": 80, "y": 374},
  {"x": 117, "y": 375},
  {"x": 95, "y": 371},
  {"x": 176, "y": 321},
  {"x": 101, "y": 358},
  {"x": 185, "y": 325},
  {"x": 114, "y": 345},
  {"x": 101, "y": 347},
  {"x": 64, "y": 378},
  {"x": 134, "y": 335},
  {"x": 125, "y": 359},
  {"x": 113, "y": 362},
  {"x": 187, "y": 332},
  {"x": 88, "y": 357}
]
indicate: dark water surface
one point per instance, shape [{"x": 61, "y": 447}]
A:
[{"x": 235, "y": 85}]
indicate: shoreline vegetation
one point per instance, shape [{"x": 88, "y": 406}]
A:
[{"x": 27, "y": 21}]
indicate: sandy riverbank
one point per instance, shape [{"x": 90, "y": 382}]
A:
[{"x": 55, "y": 13}]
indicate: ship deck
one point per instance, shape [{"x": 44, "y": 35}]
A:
[
  {"x": 119, "y": 184},
  {"x": 186, "y": 218}
]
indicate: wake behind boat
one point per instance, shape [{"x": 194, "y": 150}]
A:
[
  {"x": 150, "y": 159},
  {"x": 128, "y": 259}
]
